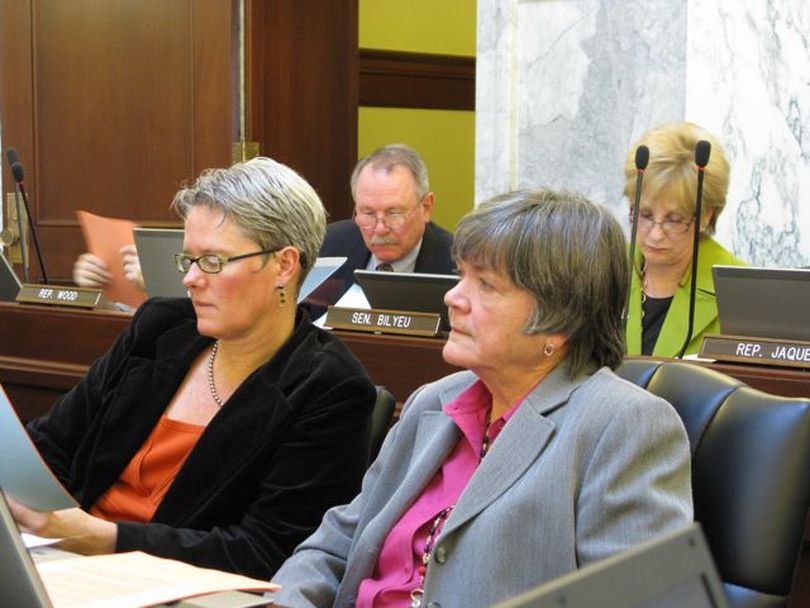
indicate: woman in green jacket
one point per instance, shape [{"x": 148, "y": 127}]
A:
[{"x": 660, "y": 285}]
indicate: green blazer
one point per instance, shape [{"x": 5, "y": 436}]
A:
[{"x": 673, "y": 332}]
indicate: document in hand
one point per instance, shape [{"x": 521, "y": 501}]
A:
[
  {"x": 23, "y": 474},
  {"x": 104, "y": 238}
]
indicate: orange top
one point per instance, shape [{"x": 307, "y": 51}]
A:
[{"x": 138, "y": 492}]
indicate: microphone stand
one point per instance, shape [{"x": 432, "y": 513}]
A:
[
  {"x": 18, "y": 174},
  {"x": 702, "y": 151},
  {"x": 642, "y": 158}
]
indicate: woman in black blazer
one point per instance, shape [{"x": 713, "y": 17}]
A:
[{"x": 216, "y": 430}]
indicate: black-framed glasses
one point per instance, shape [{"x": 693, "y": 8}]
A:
[
  {"x": 670, "y": 227},
  {"x": 393, "y": 220},
  {"x": 213, "y": 263}
]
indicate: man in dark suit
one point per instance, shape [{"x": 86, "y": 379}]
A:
[{"x": 391, "y": 228}]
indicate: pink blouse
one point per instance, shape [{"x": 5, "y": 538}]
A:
[{"x": 396, "y": 573}]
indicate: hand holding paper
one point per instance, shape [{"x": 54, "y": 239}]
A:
[
  {"x": 112, "y": 243},
  {"x": 131, "y": 264},
  {"x": 90, "y": 271},
  {"x": 80, "y": 531}
]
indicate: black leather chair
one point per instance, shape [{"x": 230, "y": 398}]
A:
[
  {"x": 750, "y": 474},
  {"x": 381, "y": 418}
]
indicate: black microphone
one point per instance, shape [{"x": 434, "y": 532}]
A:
[
  {"x": 642, "y": 159},
  {"x": 703, "y": 150},
  {"x": 18, "y": 173}
]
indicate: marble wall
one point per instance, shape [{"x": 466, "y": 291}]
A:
[{"x": 565, "y": 86}]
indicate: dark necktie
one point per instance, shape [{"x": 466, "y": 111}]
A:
[{"x": 384, "y": 267}]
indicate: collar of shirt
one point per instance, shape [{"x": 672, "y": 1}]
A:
[
  {"x": 406, "y": 263},
  {"x": 471, "y": 410}
]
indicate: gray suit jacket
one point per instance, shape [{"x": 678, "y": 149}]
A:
[{"x": 585, "y": 468}]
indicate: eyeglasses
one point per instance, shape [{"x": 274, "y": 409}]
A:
[
  {"x": 393, "y": 220},
  {"x": 670, "y": 227},
  {"x": 212, "y": 263}
]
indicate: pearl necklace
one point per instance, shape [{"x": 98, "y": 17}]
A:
[{"x": 212, "y": 387}]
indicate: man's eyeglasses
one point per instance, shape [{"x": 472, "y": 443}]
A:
[
  {"x": 211, "y": 262},
  {"x": 393, "y": 220},
  {"x": 647, "y": 223}
]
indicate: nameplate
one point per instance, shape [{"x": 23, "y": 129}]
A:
[
  {"x": 383, "y": 321},
  {"x": 77, "y": 297},
  {"x": 757, "y": 351}
]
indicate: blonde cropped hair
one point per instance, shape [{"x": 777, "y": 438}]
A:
[
  {"x": 672, "y": 169},
  {"x": 272, "y": 205}
]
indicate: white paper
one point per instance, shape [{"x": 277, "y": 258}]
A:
[
  {"x": 322, "y": 270},
  {"x": 353, "y": 298},
  {"x": 32, "y": 541},
  {"x": 132, "y": 580}
]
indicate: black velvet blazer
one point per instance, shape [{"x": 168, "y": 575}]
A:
[{"x": 289, "y": 443}]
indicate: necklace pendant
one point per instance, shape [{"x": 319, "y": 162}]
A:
[{"x": 416, "y": 598}]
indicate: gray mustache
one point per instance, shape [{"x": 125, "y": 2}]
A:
[{"x": 384, "y": 240}]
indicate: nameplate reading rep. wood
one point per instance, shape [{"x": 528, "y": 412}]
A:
[
  {"x": 383, "y": 321},
  {"x": 758, "y": 351},
  {"x": 77, "y": 297}
]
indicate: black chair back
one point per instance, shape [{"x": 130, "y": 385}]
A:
[
  {"x": 381, "y": 418},
  {"x": 750, "y": 474}
]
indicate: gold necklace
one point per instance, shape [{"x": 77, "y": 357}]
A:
[{"x": 643, "y": 287}]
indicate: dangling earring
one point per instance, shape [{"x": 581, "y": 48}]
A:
[
  {"x": 282, "y": 295},
  {"x": 548, "y": 349}
]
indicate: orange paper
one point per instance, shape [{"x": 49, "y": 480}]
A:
[{"x": 104, "y": 237}]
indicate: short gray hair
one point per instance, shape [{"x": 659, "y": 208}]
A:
[
  {"x": 270, "y": 203},
  {"x": 388, "y": 157},
  {"x": 569, "y": 253}
]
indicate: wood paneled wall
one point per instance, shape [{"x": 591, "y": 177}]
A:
[
  {"x": 302, "y": 103},
  {"x": 416, "y": 80},
  {"x": 113, "y": 104}
]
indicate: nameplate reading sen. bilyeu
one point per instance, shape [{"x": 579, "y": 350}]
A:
[{"x": 383, "y": 321}]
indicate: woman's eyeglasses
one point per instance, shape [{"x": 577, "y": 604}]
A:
[
  {"x": 670, "y": 227},
  {"x": 211, "y": 262}
]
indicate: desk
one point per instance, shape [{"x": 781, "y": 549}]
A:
[{"x": 44, "y": 351}]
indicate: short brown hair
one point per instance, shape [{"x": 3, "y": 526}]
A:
[{"x": 569, "y": 253}]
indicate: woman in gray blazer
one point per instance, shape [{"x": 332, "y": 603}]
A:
[{"x": 536, "y": 461}]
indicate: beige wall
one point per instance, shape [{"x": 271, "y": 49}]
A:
[{"x": 446, "y": 139}]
